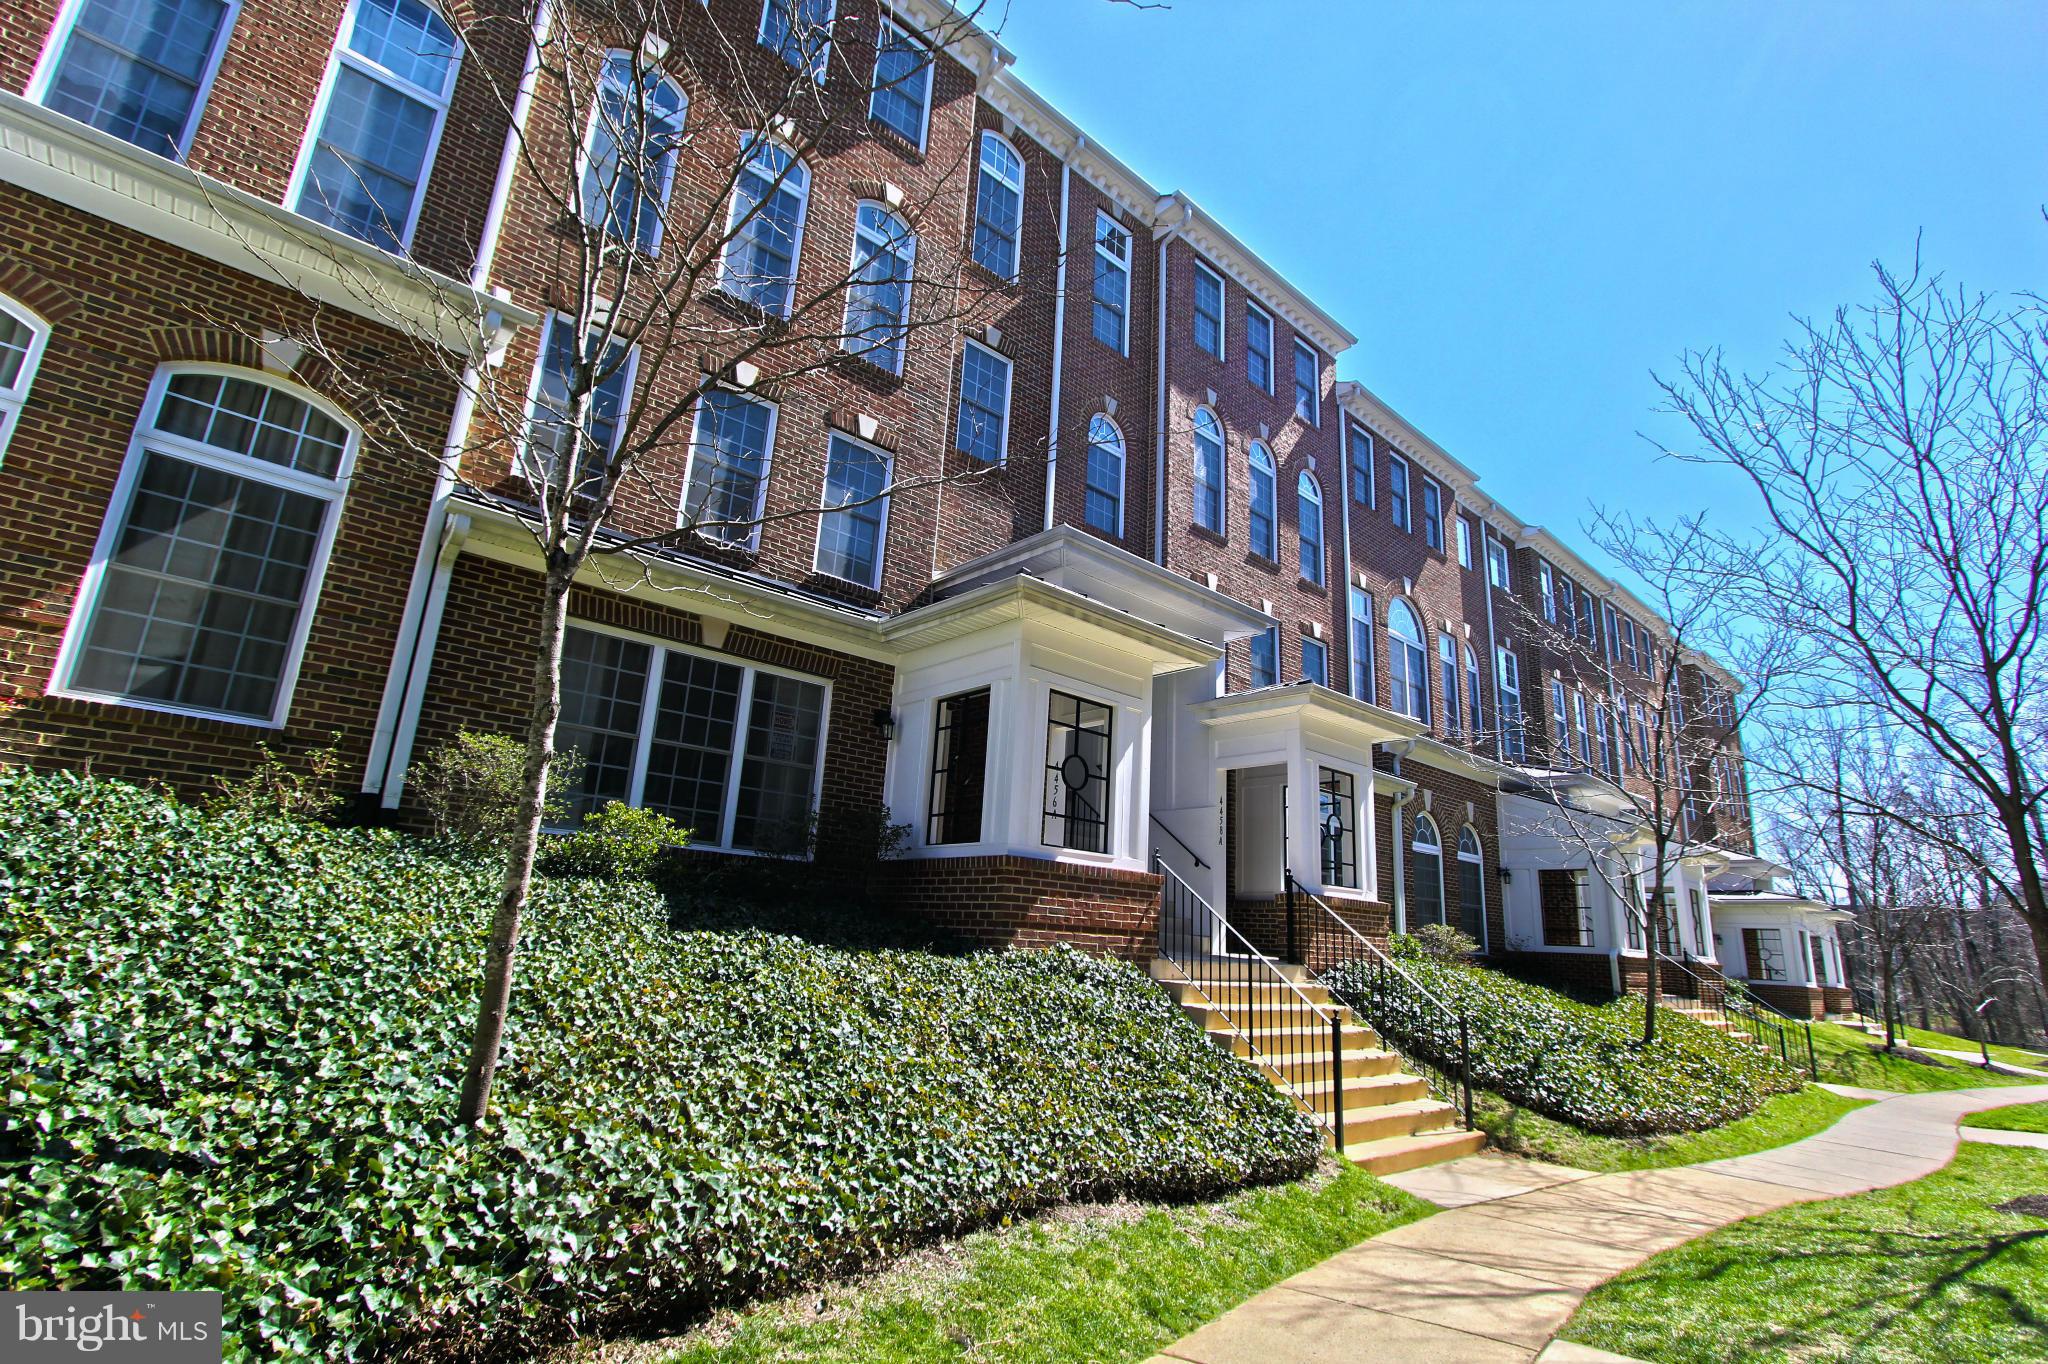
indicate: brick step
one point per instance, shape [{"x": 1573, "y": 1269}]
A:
[
  {"x": 1222, "y": 970},
  {"x": 1302, "y": 1065},
  {"x": 1391, "y": 1155},
  {"x": 1363, "y": 1095},
  {"x": 1290, "y": 1041}
]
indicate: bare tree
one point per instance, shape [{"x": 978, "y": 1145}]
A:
[
  {"x": 1900, "y": 456},
  {"x": 667, "y": 180}
]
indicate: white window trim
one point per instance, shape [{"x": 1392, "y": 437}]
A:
[
  {"x": 911, "y": 36},
  {"x": 1507, "y": 563},
  {"x": 439, "y": 102},
  {"x": 1130, "y": 254},
  {"x": 1123, "y": 465},
  {"x": 1355, "y": 434},
  {"x": 1301, "y": 348},
  {"x": 1272, "y": 338},
  {"x": 1253, "y": 469},
  {"x": 1222, "y": 352},
  {"x": 989, "y": 135},
  {"x": 1477, "y": 859},
  {"x": 1195, "y": 482},
  {"x": 632, "y": 239},
  {"x": 881, "y": 530},
  {"x": 1307, "y": 644},
  {"x": 636, "y": 781},
  {"x": 753, "y": 543},
  {"x": 1308, "y": 491},
  {"x": 1461, "y": 536},
  {"x": 1271, "y": 634},
  {"x": 521, "y": 468},
  {"x": 1009, "y": 390},
  {"x": 1504, "y": 662},
  {"x": 14, "y": 397},
  {"x": 1404, "y": 508},
  {"x": 334, "y": 491},
  {"x": 1418, "y": 689},
  {"x": 1546, "y": 583},
  {"x": 1433, "y": 492},
  {"x": 822, "y": 61},
  {"x": 1354, "y": 598},
  {"x": 899, "y": 354},
  {"x": 796, "y": 175},
  {"x": 59, "y": 41}
]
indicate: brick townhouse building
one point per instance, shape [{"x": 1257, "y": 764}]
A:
[{"x": 1198, "y": 601}]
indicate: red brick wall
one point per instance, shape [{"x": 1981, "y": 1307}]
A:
[
  {"x": 1800, "y": 1001},
  {"x": 1584, "y": 974},
  {"x": 121, "y": 304},
  {"x": 1449, "y": 794},
  {"x": 473, "y": 685},
  {"x": 1010, "y": 901},
  {"x": 1319, "y": 944}
]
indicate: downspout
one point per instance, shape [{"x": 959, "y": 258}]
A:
[
  {"x": 1059, "y": 341},
  {"x": 397, "y": 711},
  {"x": 1164, "y": 237}
]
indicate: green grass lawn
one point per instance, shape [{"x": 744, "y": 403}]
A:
[
  {"x": 1107, "y": 1283},
  {"x": 1925, "y": 1271},
  {"x": 1850, "y": 1057},
  {"x": 2019, "y": 1118},
  {"x": 2003, "y": 1055},
  {"x": 1782, "y": 1118}
]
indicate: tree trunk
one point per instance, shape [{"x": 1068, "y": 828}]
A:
[{"x": 542, "y": 715}]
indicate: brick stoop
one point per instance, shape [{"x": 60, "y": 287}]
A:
[{"x": 1390, "y": 1121}]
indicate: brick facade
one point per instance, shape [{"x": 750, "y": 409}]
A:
[{"x": 1009, "y": 901}]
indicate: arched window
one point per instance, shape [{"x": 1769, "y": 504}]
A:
[
  {"x": 366, "y": 163},
  {"x": 1473, "y": 726},
  {"x": 1260, "y": 519},
  {"x": 1471, "y": 885},
  {"x": 202, "y": 586},
  {"x": 1208, "y": 470},
  {"x": 998, "y": 206},
  {"x": 138, "y": 69},
  {"x": 765, "y": 230},
  {"x": 1428, "y": 848},
  {"x": 629, "y": 160},
  {"x": 878, "y": 296},
  {"x": 1103, "y": 506},
  {"x": 22, "y": 335},
  {"x": 1310, "y": 516},
  {"x": 1447, "y": 680},
  {"x": 1405, "y": 663}
]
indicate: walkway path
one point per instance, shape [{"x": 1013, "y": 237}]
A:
[
  {"x": 1497, "y": 1275},
  {"x": 1976, "y": 1058}
]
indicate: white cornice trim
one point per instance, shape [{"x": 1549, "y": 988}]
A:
[
  {"x": 965, "y": 41},
  {"x": 1225, "y": 249},
  {"x": 1376, "y": 413},
  {"x": 60, "y": 158},
  {"x": 1036, "y": 116}
]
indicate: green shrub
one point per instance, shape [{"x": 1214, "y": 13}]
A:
[
  {"x": 233, "y": 1046},
  {"x": 1584, "y": 1063},
  {"x": 1443, "y": 942},
  {"x": 307, "y": 789},
  {"x": 470, "y": 786},
  {"x": 619, "y": 842}
]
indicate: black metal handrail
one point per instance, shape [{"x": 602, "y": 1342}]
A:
[
  {"x": 1329, "y": 947},
  {"x": 1767, "y": 1024},
  {"x": 1183, "y": 842},
  {"x": 1256, "y": 999}
]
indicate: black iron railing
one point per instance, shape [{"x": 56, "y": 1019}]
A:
[
  {"x": 1296, "y": 1041},
  {"x": 1163, "y": 828},
  {"x": 1329, "y": 940},
  {"x": 1769, "y": 1028}
]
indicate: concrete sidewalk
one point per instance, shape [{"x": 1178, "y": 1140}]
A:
[{"x": 1499, "y": 1273}]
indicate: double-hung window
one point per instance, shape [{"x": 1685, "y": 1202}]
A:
[
  {"x": 1397, "y": 491},
  {"x": 1260, "y": 518},
  {"x": 728, "y": 480},
  {"x": 1432, "y": 514},
  {"x": 1582, "y": 729},
  {"x": 1508, "y": 670},
  {"x": 365, "y": 167},
  {"x": 1258, "y": 346},
  {"x": 629, "y": 163},
  {"x": 201, "y": 590},
  {"x": 1077, "y": 758},
  {"x": 550, "y": 426},
  {"x": 1603, "y": 744},
  {"x": 1407, "y": 668},
  {"x": 22, "y": 337},
  {"x": 800, "y": 32},
  {"x": 1337, "y": 796},
  {"x": 1361, "y": 465},
  {"x": 959, "y": 769},
  {"x": 998, "y": 206},
  {"x": 1308, "y": 383},
  {"x": 983, "y": 428},
  {"x": 1315, "y": 662},
  {"x": 1497, "y": 564},
  {"x": 138, "y": 69},
  {"x": 1265, "y": 657},
  {"x": 1447, "y": 682},
  {"x": 1103, "y": 497},
  {"x": 1589, "y": 629},
  {"x": 1361, "y": 645},
  {"x": 1464, "y": 538},
  {"x": 1568, "y": 608},
  {"x": 1309, "y": 517},
  {"x": 1546, "y": 588},
  {"x": 1112, "y": 284},
  {"x": 1208, "y": 470},
  {"x": 1474, "y": 711},
  {"x": 852, "y": 532},
  {"x": 730, "y": 752},
  {"x": 764, "y": 230},
  {"x": 1208, "y": 310},
  {"x": 1560, "y": 723},
  {"x": 878, "y": 296},
  {"x": 902, "y": 96}
]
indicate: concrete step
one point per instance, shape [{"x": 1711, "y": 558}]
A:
[
  {"x": 1364, "y": 1096},
  {"x": 1221, "y": 969},
  {"x": 1227, "y": 994},
  {"x": 1302, "y": 1065},
  {"x": 1391, "y": 1155},
  {"x": 1260, "y": 1015},
  {"x": 1291, "y": 1041},
  {"x": 1403, "y": 1119}
]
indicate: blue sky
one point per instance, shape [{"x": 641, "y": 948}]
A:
[{"x": 1523, "y": 210}]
